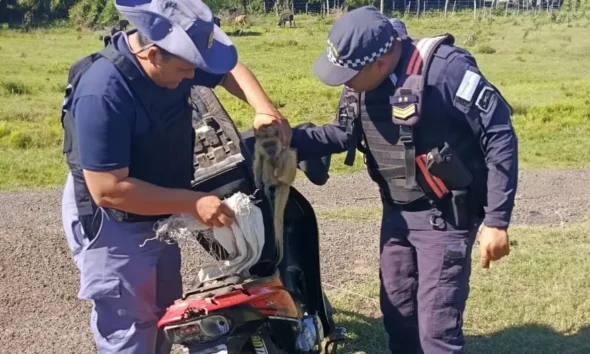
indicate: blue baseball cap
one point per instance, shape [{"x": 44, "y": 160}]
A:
[
  {"x": 184, "y": 28},
  {"x": 356, "y": 39},
  {"x": 400, "y": 27}
]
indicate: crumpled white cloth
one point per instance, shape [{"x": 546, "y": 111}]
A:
[{"x": 243, "y": 240}]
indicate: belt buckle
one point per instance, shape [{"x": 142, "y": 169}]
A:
[
  {"x": 405, "y": 134},
  {"x": 406, "y": 139}
]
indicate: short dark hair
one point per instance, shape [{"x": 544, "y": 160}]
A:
[{"x": 143, "y": 41}]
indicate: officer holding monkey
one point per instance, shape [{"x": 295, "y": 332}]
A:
[
  {"x": 129, "y": 144},
  {"x": 438, "y": 140}
]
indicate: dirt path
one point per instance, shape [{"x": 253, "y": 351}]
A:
[
  {"x": 543, "y": 197},
  {"x": 39, "y": 310}
]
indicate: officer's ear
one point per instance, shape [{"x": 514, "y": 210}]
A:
[
  {"x": 152, "y": 54},
  {"x": 382, "y": 64},
  {"x": 387, "y": 61}
]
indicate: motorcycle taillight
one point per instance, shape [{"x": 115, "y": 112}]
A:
[{"x": 201, "y": 330}]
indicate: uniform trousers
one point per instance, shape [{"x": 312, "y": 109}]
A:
[
  {"x": 130, "y": 286},
  {"x": 424, "y": 275}
]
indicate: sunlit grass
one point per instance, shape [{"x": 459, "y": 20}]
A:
[
  {"x": 540, "y": 66},
  {"x": 533, "y": 301}
]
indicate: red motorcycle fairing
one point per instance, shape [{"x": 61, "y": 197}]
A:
[{"x": 265, "y": 296}]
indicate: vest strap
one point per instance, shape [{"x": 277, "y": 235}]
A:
[
  {"x": 406, "y": 138},
  {"x": 139, "y": 85},
  {"x": 414, "y": 80},
  {"x": 348, "y": 119},
  {"x": 133, "y": 76}
]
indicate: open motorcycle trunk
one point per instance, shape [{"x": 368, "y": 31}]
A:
[{"x": 223, "y": 159}]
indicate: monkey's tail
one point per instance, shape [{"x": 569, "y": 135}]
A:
[
  {"x": 279, "y": 200},
  {"x": 278, "y": 224}
]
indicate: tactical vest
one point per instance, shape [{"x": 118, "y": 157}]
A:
[
  {"x": 381, "y": 124},
  {"x": 166, "y": 148}
]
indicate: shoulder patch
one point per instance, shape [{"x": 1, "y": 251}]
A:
[
  {"x": 486, "y": 99},
  {"x": 468, "y": 86}
]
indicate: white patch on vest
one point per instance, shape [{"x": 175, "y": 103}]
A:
[
  {"x": 425, "y": 45},
  {"x": 393, "y": 78},
  {"x": 468, "y": 85}
]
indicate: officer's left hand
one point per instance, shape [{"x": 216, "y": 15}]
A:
[
  {"x": 262, "y": 119},
  {"x": 493, "y": 245}
]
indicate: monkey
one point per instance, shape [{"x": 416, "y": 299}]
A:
[{"x": 275, "y": 165}]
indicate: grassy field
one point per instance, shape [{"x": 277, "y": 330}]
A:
[
  {"x": 538, "y": 63},
  {"x": 533, "y": 301}
]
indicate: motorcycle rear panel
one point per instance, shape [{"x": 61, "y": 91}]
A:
[{"x": 266, "y": 296}]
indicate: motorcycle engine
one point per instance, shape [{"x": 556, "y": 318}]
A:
[{"x": 312, "y": 334}]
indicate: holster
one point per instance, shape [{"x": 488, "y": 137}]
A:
[
  {"x": 460, "y": 209},
  {"x": 446, "y": 165},
  {"x": 447, "y": 180}
]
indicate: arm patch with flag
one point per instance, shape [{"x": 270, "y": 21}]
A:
[{"x": 468, "y": 86}]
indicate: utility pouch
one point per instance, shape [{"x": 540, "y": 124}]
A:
[
  {"x": 460, "y": 208},
  {"x": 446, "y": 165},
  {"x": 428, "y": 181}
]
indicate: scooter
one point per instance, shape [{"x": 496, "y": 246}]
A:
[{"x": 278, "y": 308}]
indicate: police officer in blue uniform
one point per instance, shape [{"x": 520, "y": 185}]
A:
[
  {"x": 129, "y": 143},
  {"x": 437, "y": 138}
]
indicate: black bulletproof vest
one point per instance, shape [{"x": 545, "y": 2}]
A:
[
  {"x": 389, "y": 117},
  {"x": 163, "y": 156}
]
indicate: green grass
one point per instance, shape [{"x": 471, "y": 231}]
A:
[
  {"x": 533, "y": 301},
  {"x": 540, "y": 66}
]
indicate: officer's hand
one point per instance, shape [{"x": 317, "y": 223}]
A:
[
  {"x": 264, "y": 119},
  {"x": 493, "y": 245},
  {"x": 211, "y": 211}
]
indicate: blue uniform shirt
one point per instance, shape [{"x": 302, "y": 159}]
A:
[
  {"x": 496, "y": 136},
  {"x": 107, "y": 117}
]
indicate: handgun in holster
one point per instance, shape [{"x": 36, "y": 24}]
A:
[{"x": 445, "y": 177}]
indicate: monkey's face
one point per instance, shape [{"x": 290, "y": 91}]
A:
[
  {"x": 268, "y": 138},
  {"x": 270, "y": 147}
]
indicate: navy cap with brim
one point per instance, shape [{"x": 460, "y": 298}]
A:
[
  {"x": 355, "y": 40},
  {"x": 146, "y": 16},
  {"x": 332, "y": 74},
  {"x": 400, "y": 27}
]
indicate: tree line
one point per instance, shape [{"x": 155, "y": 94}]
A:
[{"x": 100, "y": 13}]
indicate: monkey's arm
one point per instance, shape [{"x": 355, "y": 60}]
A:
[
  {"x": 257, "y": 169},
  {"x": 319, "y": 141},
  {"x": 287, "y": 166}
]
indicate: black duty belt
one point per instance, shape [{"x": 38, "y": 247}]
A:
[
  {"x": 417, "y": 205},
  {"x": 124, "y": 216}
]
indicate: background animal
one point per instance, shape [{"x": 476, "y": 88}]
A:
[
  {"x": 123, "y": 25},
  {"x": 275, "y": 165},
  {"x": 287, "y": 17},
  {"x": 240, "y": 20}
]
